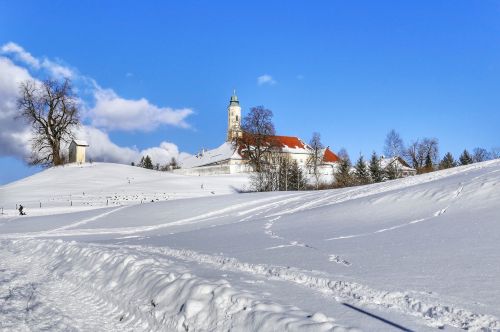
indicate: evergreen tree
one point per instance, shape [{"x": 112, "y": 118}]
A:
[
  {"x": 297, "y": 179},
  {"x": 428, "y": 167},
  {"x": 376, "y": 172},
  {"x": 465, "y": 158},
  {"x": 343, "y": 177},
  {"x": 141, "y": 163},
  {"x": 148, "y": 163},
  {"x": 362, "y": 175},
  {"x": 283, "y": 174},
  {"x": 447, "y": 161}
]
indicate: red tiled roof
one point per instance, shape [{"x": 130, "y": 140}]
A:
[
  {"x": 290, "y": 141},
  {"x": 330, "y": 157}
]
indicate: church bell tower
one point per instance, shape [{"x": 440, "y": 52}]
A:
[{"x": 233, "y": 118}]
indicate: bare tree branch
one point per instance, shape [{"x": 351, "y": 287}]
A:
[{"x": 51, "y": 110}]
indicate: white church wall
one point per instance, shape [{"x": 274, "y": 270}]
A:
[{"x": 214, "y": 170}]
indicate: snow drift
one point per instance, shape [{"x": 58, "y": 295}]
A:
[{"x": 416, "y": 254}]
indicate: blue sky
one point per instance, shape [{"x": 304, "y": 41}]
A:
[{"x": 351, "y": 70}]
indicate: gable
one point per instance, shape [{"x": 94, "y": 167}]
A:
[{"x": 330, "y": 157}]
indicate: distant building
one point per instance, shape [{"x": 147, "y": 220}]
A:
[
  {"x": 233, "y": 119},
  {"x": 229, "y": 158},
  {"x": 400, "y": 166},
  {"x": 77, "y": 151}
]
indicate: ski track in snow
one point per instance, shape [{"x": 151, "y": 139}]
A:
[
  {"x": 87, "y": 220},
  {"x": 290, "y": 243},
  {"x": 40, "y": 288},
  {"x": 434, "y": 314},
  {"x": 413, "y": 222},
  {"x": 65, "y": 231},
  {"x": 294, "y": 243},
  {"x": 67, "y": 286},
  {"x": 31, "y": 299}
]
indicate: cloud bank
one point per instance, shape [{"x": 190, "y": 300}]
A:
[
  {"x": 116, "y": 113},
  {"x": 108, "y": 112}
]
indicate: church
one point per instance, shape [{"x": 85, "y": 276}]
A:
[{"x": 226, "y": 158}]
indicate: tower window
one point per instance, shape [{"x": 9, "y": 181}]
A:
[{"x": 236, "y": 118}]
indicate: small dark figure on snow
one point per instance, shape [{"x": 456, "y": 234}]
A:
[{"x": 21, "y": 212}]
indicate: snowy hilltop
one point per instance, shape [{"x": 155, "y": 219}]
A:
[{"x": 108, "y": 247}]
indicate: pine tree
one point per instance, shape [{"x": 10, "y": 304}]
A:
[
  {"x": 148, "y": 163},
  {"x": 297, "y": 178},
  {"x": 465, "y": 158},
  {"x": 428, "y": 167},
  {"x": 376, "y": 172},
  {"x": 447, "y": 161},
  {"x": 362, "y": 175},
  {"x": 343, "y": 177}
]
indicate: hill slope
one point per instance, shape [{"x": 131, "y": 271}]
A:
[
  {"x": 76, "y": 187},
  {"x": 411, "y": 254}
]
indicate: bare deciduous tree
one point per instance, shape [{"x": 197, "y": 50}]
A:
[
  {"x": 257, "y": 141},
  {"x": 429, "y": 149},
  {"x": 51, "y": 109},
  {"x": 421, "y": 153},
  {"x": 495, "y": 152},
  {"x": 394, "y": 146},
  {"x": 412, "y": 155},
  {"x": 316, "y": 157},
  {"x": 480, "y": 154}
]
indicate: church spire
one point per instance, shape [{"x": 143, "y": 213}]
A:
[{"x": 234, "y": 99}]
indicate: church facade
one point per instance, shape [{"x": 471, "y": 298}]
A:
[{"x": 226, "y": 158}]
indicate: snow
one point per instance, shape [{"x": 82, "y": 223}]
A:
[
  {"x": 210, "y": 157},
  {"x": 418, "y": 253},
  {"x": 80, "y": 142},
  {"x": 84, "y": 187}
]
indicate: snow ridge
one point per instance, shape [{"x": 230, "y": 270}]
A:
[
  {"x": 435, "y": 314},
  {"x": 142, "y": 293}
]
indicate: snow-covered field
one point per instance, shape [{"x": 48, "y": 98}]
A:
[{"x": 421, "y": 253}]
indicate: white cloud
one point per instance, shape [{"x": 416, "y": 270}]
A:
[
  {"x": 55, "y": 69},
  {"x": 15, "y": 135},
  {"x": 162, "y": 154},
  {"x": 21, "y": 54},
  {"x": 116, "y": 113},
  {"x": 265, "y": 79},
  {"x": 101, "y": 148}
]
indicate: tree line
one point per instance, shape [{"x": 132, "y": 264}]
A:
[
  {"x": 274, "y": 170},
  {"x": 51, "y": 108},
  {"x": 422, "y": 154},
  {"x": 147, "y": 162}
]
